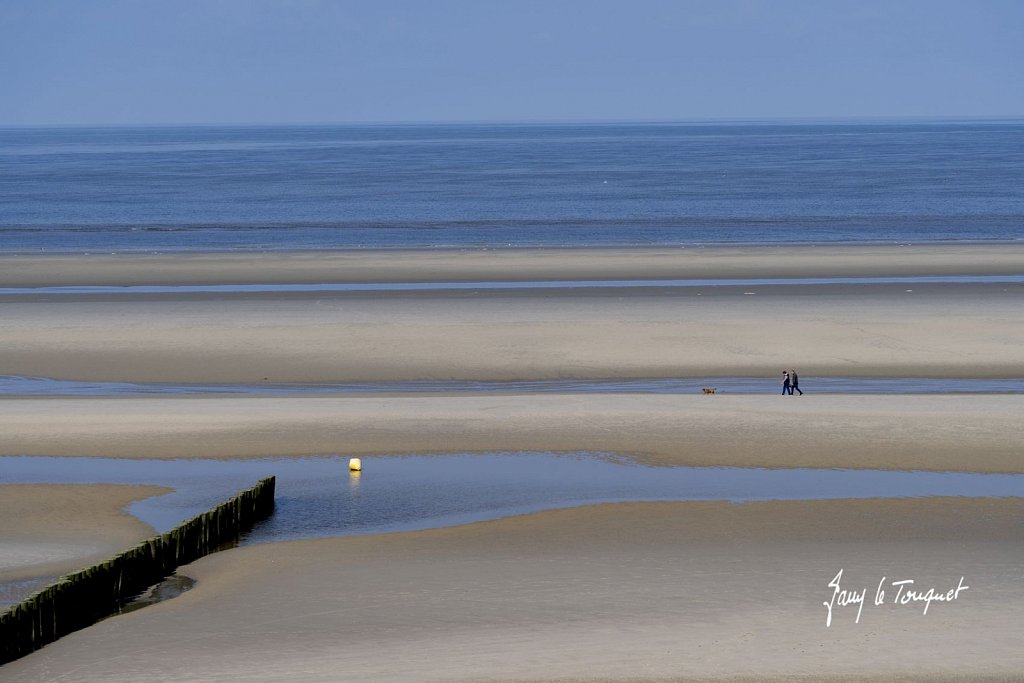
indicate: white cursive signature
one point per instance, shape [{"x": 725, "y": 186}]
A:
[{"x": 905, "y": 595}]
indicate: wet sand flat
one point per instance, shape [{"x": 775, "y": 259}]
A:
[
  {"x": 654, "y": 591},
  {"x": 50, "y": 530},
  {"x": 934, "y": 432}
]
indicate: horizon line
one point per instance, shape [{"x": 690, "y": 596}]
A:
[{"x": 806, "y": 120}]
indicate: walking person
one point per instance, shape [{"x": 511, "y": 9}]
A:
[
  {"x": 786, "y": 383},
  {"x": 794, "y": 383}
]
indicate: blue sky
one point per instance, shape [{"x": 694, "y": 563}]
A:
[{"x": 290, "y": 61}]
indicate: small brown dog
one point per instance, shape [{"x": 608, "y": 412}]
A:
[{"x": 710, "y": 390}]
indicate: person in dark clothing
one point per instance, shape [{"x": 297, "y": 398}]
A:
[
  {"x": 786, "y": 385},
  {"x": 794, "y": 383}
]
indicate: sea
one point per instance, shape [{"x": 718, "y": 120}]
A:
[{"x": 186, "y": 188}]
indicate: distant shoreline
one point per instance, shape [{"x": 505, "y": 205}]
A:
[
  {"x": 511, "y": 264},
  {"x": 821, "y": 244}
]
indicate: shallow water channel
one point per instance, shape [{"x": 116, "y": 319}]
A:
[
  {"x": 318, "y": 496},
  {"x": 491, "y": 285},
  {"x": 14, "y": 385}
]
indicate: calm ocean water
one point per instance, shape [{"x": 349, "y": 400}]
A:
[{"x": 317, "y": 187}]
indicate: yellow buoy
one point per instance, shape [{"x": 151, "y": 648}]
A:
[{"x": 355, "y": 465}]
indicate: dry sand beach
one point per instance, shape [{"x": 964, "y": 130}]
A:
[{"x": 624, "y": 592}]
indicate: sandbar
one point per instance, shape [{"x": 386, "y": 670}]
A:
[
  {"x": 970, "y": 331},
  {"x": 459, "y": 265},
  {"x": 895, "y": 330},
  {"x": 931, "y": 432}
]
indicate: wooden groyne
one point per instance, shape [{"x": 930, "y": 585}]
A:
[{"x": 81, "y": 599}]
